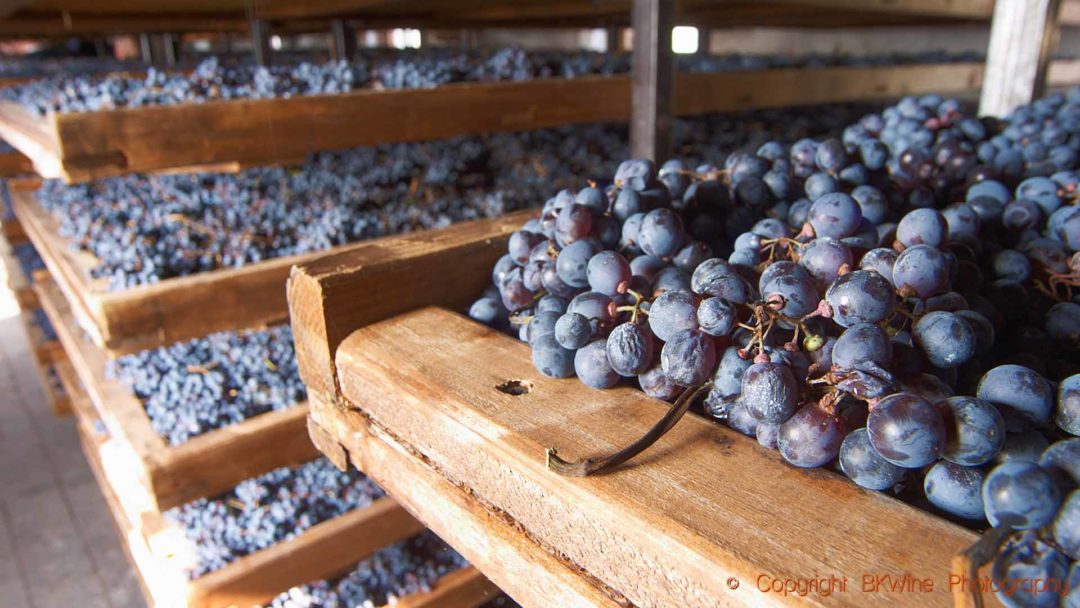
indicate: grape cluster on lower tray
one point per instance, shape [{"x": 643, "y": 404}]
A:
[
  {"x": 265, "y": 510},
  {"x": 193, "y": 387},
  {"x": 404, "y": 568},
  {"x": 900, "y": 303},
  {"x": 218, "y": 80},
  {"x": 144, "y": 229}
]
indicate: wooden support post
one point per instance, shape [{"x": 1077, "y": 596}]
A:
[
  {"x": 653, "y": 67},
  {"x": 157, "y": 49},
  {"x": 169, "y": 49},
  {"x": 260, "y": 41},
  {"x": 1023, "y": 36},
  {"x": 342, "y": 41},
  {"x": 704, "y": 37},
  {"x": 614, "y": 39},
  {"x": 146, "y": 49}
]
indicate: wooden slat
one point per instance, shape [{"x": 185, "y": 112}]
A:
[
  {"x": 489, "y": 540},
  {"x": 206, "y": 465},
  {"x": 83, "y": 146},
  {"x": 181, "y": 308},
  {"x": 1063, "y": 73},
  {"x": 399, "y": 274},
  {"x": 669, "y": 529}
]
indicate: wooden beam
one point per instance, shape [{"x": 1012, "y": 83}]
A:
[
  {"x": 342, "y": 40},
  {"x": 653, "y": 77},
  {"x": 1023, "y": 36},
  {"x": 259, "y": 30}
]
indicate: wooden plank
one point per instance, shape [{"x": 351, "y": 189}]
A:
[
  {"x": 528, "y": 572},
  {"x": 398, "y": 273},
  {"x": 188, "y": 307},
  {"x": 1023, "y": 35},
  {"x": 204, "y": 466},
  {"x": 728, "y": 91},
  {"x": 83, "y": 146},
  {"x": 715, "y": 504}
]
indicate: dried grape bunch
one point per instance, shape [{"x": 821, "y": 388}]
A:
[{"x": 901, "y": 303}]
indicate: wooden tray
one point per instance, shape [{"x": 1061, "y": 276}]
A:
[
  {"x": 83, "y": 146},
  {"x": 701, "y": 519},
  {"x": 204, "y": 466},
  {"x": 181, "y": 308},
  {"x": 157, "y": 551}
]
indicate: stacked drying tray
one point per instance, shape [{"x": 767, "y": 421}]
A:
[
  {"x": 244, "y": 117},
  {"x": 162, "y": 453},
  {"x": 22, "y": 267},
  {"x": 459, "y": 436}
]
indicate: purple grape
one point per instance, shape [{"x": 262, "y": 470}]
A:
[
  {"x": 906, "y": 430},
  {"x": 770, "y": 392},
  {"x": 811, "y": 437},
  {"x": 630, "y": 349},
  {"x": 1021, "y": 494}
]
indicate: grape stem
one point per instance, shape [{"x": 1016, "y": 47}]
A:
[
  {"x": 968, "y": 562},
  {"x": 591, "y": 466}
]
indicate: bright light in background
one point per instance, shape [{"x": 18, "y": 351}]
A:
[
  {"x": 595, "y": 40},
  {"x": 275, "y": 43},
  {"x": 684, "y": 39},
  {"x": 405, "y": 39}
]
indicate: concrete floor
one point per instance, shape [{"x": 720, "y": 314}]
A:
[{"x": 58, "y": 545}]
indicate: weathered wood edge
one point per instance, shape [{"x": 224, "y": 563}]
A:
[
  {"x": 334, "y": 294},
  {"x": 531, "y": 574}
]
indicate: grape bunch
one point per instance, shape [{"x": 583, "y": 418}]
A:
[
  {"x": 194, "y": 387},
  {"x": 265, "y": 510},
  {"x": 404, "y": 568},
  {"x": 897, "y": 303}
]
